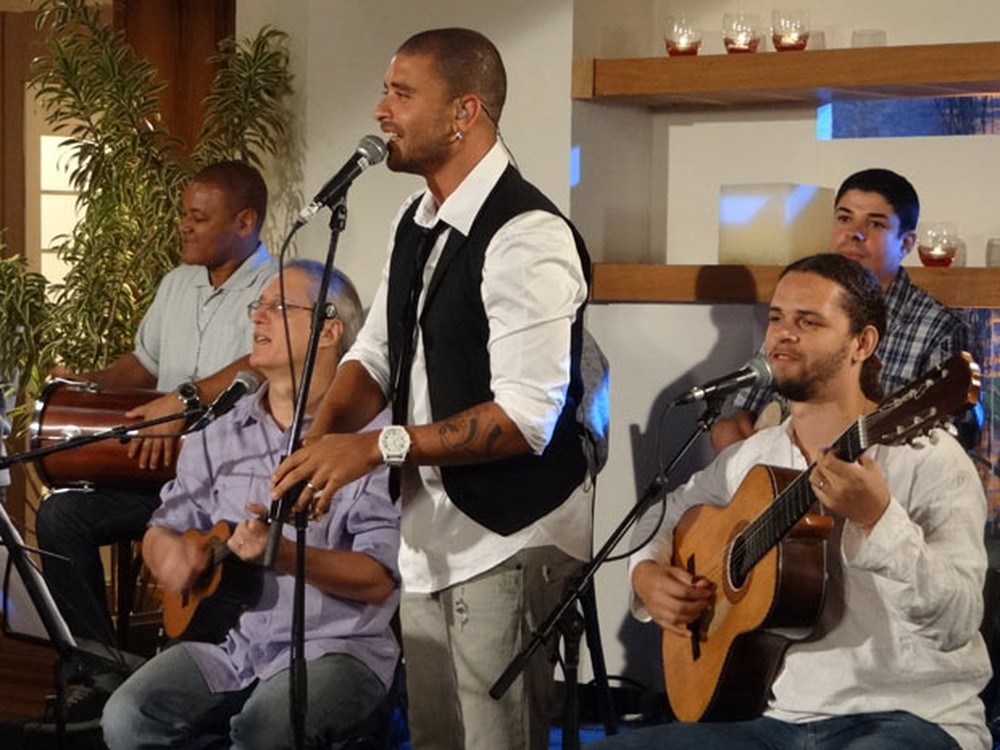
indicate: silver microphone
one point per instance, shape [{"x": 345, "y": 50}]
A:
[
  {"x": 371, "y": 150},
  {"x": 755, "y": 372},
  {"x": 245, "y": 382}
]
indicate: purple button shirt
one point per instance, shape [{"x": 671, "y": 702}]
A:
[{"x": 230, "y": 463}]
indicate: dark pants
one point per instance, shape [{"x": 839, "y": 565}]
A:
[{"x": 75, "y": 524}]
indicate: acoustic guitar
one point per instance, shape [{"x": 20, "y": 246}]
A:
[
  {"x": 765, "y": 552},
  {"x": 212, "y": 605}
]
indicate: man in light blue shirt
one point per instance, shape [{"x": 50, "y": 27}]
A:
[{"x": 192, "y": 341}]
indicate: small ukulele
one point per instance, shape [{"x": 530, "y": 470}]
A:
[{"x": 209, "y": 608}]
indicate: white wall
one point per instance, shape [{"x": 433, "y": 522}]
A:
[
  {"x": 648, "y": 191},
  {"x": 340, "y": 52}
]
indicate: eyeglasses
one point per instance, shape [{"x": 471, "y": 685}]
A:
[{"x": 274, "y": 307}]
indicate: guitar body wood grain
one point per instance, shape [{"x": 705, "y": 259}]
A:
[{"x": 724, "y": 670}]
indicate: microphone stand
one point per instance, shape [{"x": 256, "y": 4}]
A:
[
  {"x": 55, "y": 628},
  {"x": 566, "y": 608},
  {"x": 280, "y": 508}
]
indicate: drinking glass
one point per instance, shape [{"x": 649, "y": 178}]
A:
[
  {"x": 993, "y": 252},
  {"x": 937, "y": 243},
  {"x": 868, "y": 38},
  {"x": 741, "y": 32},
  {"x": 789, "y": 29},
  {"x": 681, "y": 36}
]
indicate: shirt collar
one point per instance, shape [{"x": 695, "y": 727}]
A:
[
  {"x": 245, "y": 274},
  {"x": 460, "y": 208},
  {"x": 897, "y": 291},
  {"x": 253, "y": 409}
]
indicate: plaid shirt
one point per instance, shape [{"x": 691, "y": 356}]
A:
[{"x": 920, "y": 333}]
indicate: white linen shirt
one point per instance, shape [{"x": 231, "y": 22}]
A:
[
  {"x": 532, "y": 288},
  {"x": 909, "y": 636}
]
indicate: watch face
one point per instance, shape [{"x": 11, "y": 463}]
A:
[
  {"x": 188, "y": 392},
  {"x": 394, "y": 442}
]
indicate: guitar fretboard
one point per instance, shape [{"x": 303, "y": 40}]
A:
[{"x": 767, "y": 529}]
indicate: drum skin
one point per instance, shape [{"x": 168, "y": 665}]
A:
[{"x": 66, "y": 409}]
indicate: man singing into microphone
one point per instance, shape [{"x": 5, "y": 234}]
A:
[
  {"x": 474, "y": 337},
  {"x": 237, "y": 691}
]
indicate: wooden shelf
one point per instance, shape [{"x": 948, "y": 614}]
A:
[
  {"x": 811, "y": 77},
  {"x": 651, "y": 282}
]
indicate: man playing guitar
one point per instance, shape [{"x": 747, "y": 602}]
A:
[{"x": 895, "y": 659}]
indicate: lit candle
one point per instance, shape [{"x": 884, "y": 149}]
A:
[
  {"x": 683, "y": 44},
  {"x": 791, "y": 40}
]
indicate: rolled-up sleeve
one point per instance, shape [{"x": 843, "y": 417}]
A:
[{"x": 532, "y": 288}]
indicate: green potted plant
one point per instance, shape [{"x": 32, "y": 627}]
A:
[{"x": 129, "y": 172}]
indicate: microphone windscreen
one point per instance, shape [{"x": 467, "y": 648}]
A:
[
  {"x": 762, "y": 368},
  {"x": 373, "y": 148},
  {"x": 249, "y": 379}
]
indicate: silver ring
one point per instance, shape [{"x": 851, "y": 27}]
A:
[
  {"x": 821, "y": 484},
  {"x": 312, "y": 486}
]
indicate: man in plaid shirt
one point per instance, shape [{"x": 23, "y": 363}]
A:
[{"x": 875, "y": 222}]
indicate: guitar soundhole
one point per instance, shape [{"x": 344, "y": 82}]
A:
[{"x": 737, "y": 562}]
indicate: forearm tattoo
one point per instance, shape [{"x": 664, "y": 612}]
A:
[{"x": 471, "y": 435}]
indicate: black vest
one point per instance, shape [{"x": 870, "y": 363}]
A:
[{"x": 511, "y": 493}]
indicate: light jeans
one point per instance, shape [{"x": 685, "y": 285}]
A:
[
  {"x": 458, "y": 641},
  {"x": 167, "y": 704},
  {"x": 894, "y": 730}
]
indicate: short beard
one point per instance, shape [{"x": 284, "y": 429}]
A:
[
  {"x": 798, "y": 390},
  {"x": 803, "y": 388}
]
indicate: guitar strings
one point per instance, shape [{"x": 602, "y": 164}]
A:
[
  {"x": 763, "y": 525},
  {"x": 916, "y": 392}
]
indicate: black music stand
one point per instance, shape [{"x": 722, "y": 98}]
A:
[{"x": 29, "y": 612}]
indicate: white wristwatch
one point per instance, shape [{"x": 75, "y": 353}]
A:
[{"x": 394, "y": 442}]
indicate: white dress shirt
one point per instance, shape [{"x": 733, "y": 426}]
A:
[
  {"x": 909, "y": 637},
  {"x": 532, "y": 288}
]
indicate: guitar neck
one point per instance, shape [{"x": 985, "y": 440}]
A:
[{"x": 788, "y": 508}]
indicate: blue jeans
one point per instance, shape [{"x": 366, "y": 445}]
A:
[
  {"x": 167, "y": 704},
  {"x": 893, "y": 730}
]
